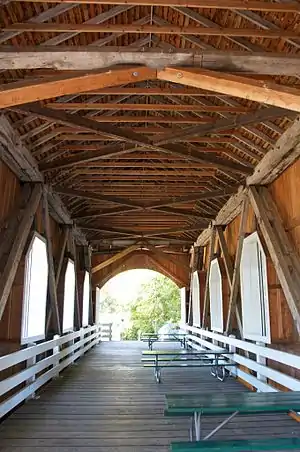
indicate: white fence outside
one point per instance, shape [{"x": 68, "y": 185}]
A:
[
  {"x": 43, "y": 362},
  {"x": 204, "y": 339}
]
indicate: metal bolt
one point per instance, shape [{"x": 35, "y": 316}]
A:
[
  {"x": 135, "y": 74},
  {"x": 179, "y": 74}
]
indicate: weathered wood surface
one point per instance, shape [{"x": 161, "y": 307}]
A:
[{"x": 109, "y": 402}]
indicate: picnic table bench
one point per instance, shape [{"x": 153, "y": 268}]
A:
[
  {"x": 238, "y": 445},
  {"x": 150, "y": 338},
  {"x": 216, "y": 360},
  {"x": 197, "y": 405}
]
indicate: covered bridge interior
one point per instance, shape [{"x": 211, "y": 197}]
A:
[{"x": 161, "y": 135}]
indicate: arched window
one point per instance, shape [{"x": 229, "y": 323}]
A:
[
  {"x": 86, "y": 299},
  {"x": 98, "y": 305},
  {"x": 69, "y": 297},
  {"x": 196, "y": 299},
  {"x": 215, "y": 296},
  {"x": 183, "y": 305},
  {"x": 35, "y": 291},
  {"x": 254, "y": 290}
]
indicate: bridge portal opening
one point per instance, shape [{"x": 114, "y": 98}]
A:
[{"x": 136, "y": 302}]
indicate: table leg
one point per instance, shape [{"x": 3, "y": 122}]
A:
[
  {"x": 197, "y": 422},
  {"x": 220, "y": 425}
]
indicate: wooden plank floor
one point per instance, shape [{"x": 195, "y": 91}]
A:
[{"x": 109, "y": 402}]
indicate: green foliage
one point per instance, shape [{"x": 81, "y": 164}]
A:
[
  {"x": 157, "y": 303},
  {"x": 109, "y": 305}
]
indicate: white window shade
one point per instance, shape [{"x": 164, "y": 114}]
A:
[
  {"x": 35, "y": 291},
  {"x": 196, "y": 299},
  {"x": 254, "y": 291},
  {"x": 183, "y": 304},
  {"x": 98, "y": 305},
  {"x": 86, "y": 299},
  {"x": 69, "y": 298},
  {"x": 215, "y": 296}
]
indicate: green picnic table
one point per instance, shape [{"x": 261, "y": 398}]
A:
[
  {"x": 216, "y": 360},
  {"x": 197, "y": 405},
  {"x": 150, "y": 338}
]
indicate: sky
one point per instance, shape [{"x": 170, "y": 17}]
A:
[{"x": 125, "y": 286}]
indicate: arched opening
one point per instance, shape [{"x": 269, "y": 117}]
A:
[
  {"x": 69, "y": 298},
  {"x": 138, "y": 301}
]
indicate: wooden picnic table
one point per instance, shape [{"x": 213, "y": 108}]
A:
[
  {"x": 197, "y": 405},
  {"x": 151, "y": 338},
  {"x": 159, "y": 359}
]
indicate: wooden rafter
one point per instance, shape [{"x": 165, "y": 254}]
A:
[
  {"x": 137, "y": 139},
  {"x": 18, "y": 93},
  {"x": 288, "y": 6},
  {"x": 235, "y": 85},
  {"x": 146, "y": 107},
  {"x": 222, "y": 125},
  {"x": 157, "y": 29},
  {"x": 91, "y": 58},
  {"x": 116, "y": 257}
]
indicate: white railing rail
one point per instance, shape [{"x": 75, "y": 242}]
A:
[
  {"x": 41, "y": 363},
  {"x": 259, "y": 379}
]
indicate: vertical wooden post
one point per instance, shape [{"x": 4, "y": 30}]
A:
[
  {"x": 206, "y": 292},
  {"x": 16, "y": 251},
  {"x": 78, "y": 316},
  {"x": 52, "y": 289},
  {"x": 236, "y": 271}
]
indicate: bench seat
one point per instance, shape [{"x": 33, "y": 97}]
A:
[{"x": 237, "y": 445}]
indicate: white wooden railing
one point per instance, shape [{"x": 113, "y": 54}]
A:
[
  {"x": 250, "y": 355},
  {"x": 41, "y": 363}
]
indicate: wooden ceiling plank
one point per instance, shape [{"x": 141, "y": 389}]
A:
[
  {"x": 149, "y": 29},
  {"x": 92, "y": 58},
  {"x": 18, "y": 93},
  {"x": 237, "y": 86},
  {"x": 292, "y": 7}
]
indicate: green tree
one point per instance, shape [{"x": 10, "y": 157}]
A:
[{"x": 157, "y": 303}]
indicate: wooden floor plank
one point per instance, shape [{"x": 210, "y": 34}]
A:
[{"x": 109, "y": 402}]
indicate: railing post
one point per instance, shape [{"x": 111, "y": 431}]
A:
[
  {"x": 81, "y": 339},
  {"x": 261, "y": 360},
  {"x": 29, "y": 363},
  {"x": 232, "y": 349},
  {"x": 56, "y": 351}
]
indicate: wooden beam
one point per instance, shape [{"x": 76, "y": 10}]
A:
[
  {"x": 147, "y": 91},
  {"x": 234, "y": 85},
  {"x": 63, "y": 245},
  {"x": 116, "y": 257},
  {"x": 94, "y": 197},
  {"x": 52, "y": 282},
  {"x": 292, "y": 7},
  {"x": 222, "y": 125},
  {"x": 145, "y": 107},
  {"x": 206, "y": 290},
  {"x": 283, "y": 255},
  {"x": 78, "y": 316},
  {"x": 149, "y": 29},
  {"x": 15, "y": 254},
  {"x": 29, "y": 91},
  {"x": 91, "y": 58}
]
